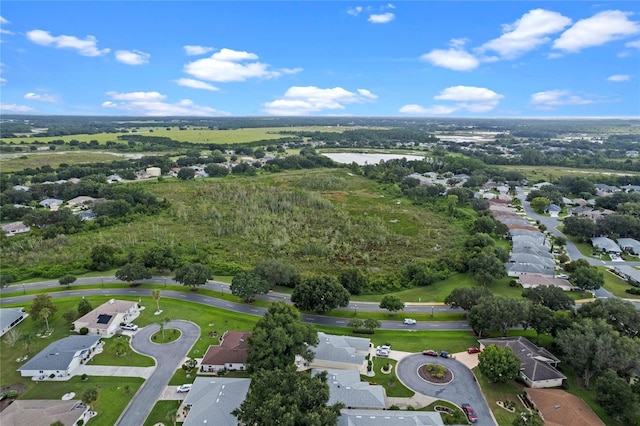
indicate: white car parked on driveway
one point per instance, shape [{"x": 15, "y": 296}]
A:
[{"x": 184, "y": 388}]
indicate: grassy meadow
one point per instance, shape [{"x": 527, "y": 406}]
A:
[
  {"x": 34, "y": 159},
  {"x": 551, "y": 173}
]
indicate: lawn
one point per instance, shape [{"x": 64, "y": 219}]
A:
[
  {"x": 501, "y": 392},
  {"x": 131, "y": 358},
  {"x": 390, "y": 382},
  {"x": 51, "y": 158},
  {"x": 616, "y": 285},
  {"x": 458, "y": 417},
  {"x": 166, "y": 335},
  {"x": 162, "y": 412},
  {"x": 114, "y": 394}
]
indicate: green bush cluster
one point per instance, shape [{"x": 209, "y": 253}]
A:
[{"x": 437, "y": 370}]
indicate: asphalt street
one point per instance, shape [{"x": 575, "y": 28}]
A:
[{"x": 168, "y": 358}]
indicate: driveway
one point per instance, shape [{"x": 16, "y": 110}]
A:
[
  {"x": 462, "y": 389},
  {"x": 168, "y": 358}
]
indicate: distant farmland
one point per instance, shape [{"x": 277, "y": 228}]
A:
[{"x": 191, "y": 134}]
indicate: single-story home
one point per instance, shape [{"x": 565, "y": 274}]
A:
[
  {"x": 52, "y": 203},
  {"x": 339, "y": 352},
  {"x": 534, "y": 280},
  {"x": 212, "y": 399},
  {"x": 230, "y": 354},
  {"x": 537, "y": 365},
  {"x": 345, "y": 387},
  {"x": 522, "y": 257},
  {"x": 605, "y": 245},
  {"x": 10, "y": 317},
  {"x": 105, "y": 319},
  {"x": 14, "y": 228},
  {"x": 553, "y": 210},
  {"x": 44, "y": 412},
  {"x": 628, "y": 273},
  {"x": 559, "y": 408},
  {"x": 389, "y": 417},
  {"x": 629, "y": 245},
  {"x": 21, "y": 188},
  {"x": 83, "y": 200},
  {"x": 518, "y": 269},
  {"x": 60, "y": 358}
]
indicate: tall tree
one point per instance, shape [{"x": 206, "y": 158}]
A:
[
  {"x": 42, "y": 301},
  {"x": 320, "y": 294},
  {"x": 391, "y": 303},
  {"x": 498, "y": 364},
  {"x": 84, "y": 307},
  {"x": 193, "y": 275},
  {"x": 538, "y": 204},
  {"x": 616, "y": 397},
  {"x": 44, "y": 314},
  {"x": 466, "y": 297},
  {"x": 103, "y": 257},
  {"x": 353, "y": 280},
  {"x": 540, "y": 318},
  {"x": 277, "y": 273},
  {"x": 278, "y": 337},
  {"x": 486, "y": 267},
  {"x": 587, "y": 278},
  {"x": 155, "y": 293},
  {"x": 89, "y": 397},
  {"x": 502, "y": 313},
  {"x": 272, "y": 400},
  {"x": 246, "y": 285},
  {"x": 553, "y": 298},
  {"x": 621, "y": 314},
  {"x": 133, "y": 272}
]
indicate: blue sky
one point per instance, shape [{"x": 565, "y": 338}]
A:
[{"x": 406, "y": 58}]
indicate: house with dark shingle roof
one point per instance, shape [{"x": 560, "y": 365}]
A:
[
  {"x": 345, "y": 387},
  {"x": 60, "y": 358},
  {"x": 230, "y": 354},
  {"x": 212, "y": 399},
  {"x": 537, "y": 365}
]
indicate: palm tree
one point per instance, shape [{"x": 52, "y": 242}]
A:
[
  {"x": 156, "y": 296},
  {"x": 120, "y": 346},
  {"x": 163, "y": 323},
  {"x": 44, "y": 313},
  {"x": 172, "y": 416}
]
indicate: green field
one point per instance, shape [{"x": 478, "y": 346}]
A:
[
  {"x": 51, "y": 158},
  {"x": 551, "y": 173},
  {"x": 191, "y": 134}
]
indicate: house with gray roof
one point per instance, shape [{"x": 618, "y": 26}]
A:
[
  {"x": 629, "y": 245},
  {"x": 386, "y": 418},
  {"x": 537, "y": 365},
  {"x": 532, "y": 258},
  {"x": 605, "y": 245},
  {"x": 212, "y": 399},
  {"x": 15, "y": 228},
  {"x": 628, "y": 273},
  {"x": 340, "y": 352},
  {"x": 10, "y": 317},
  {"x": 517, "y": 269},
  {"x": 345, "y": 387},
  {"x": 534, "y": 280},
  {"x": 44, "y": 412},
  {"x": 538, "y": 250},
  {"x": 21, "y": 188},
  {"x": 553, "y": 210},
  {"x": 60, "y": 358},
  {"x": 52, "y": 203}
]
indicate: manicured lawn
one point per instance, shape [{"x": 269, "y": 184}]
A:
[
  {"x": 113, "y": 396},
  {"x": 389, "y": 381},
  {"x": 131, "y": 358},
  {"x": 501, "y": 392},
  {"x": 616, "y": 285},
  {"x": 162, "y": 412},
  {"x": 457, "y": 418},
  {"x": 167, "y": 335}
]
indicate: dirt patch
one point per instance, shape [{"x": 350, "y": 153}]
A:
[
  {"x": 19, "y": 388},
  {"x": 426, "y": 375}
]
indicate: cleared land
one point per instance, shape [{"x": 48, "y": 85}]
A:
[{"x": 54, "y": 159}]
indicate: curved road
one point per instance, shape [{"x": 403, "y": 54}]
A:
[
  {"x": 462, "y": 389},
  {"x": 168, "y": 358}
]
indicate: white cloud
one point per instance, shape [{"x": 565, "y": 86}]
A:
[
  {"x": 619, "y": 77},
  {"x": 152, "y": 104},
  {"x": 197, "y": 50},
  {"x": 86, "y": 47},
  {"x": 39, "y": 97},
  {"x": 455, "y": 59},
  {"x": 633, "y": 44},
  {"x": 355, "y": 11},
  {"x": 231, "y": 65},
  {"x": 3, "y": 21},
  {"x": 597, "y": 30},
  {"x": 132, "y": 57},
  {"x": 15, "y": 108},
  {"x": 299, "y": 100},
  {"x": 390, "y": 6},
  {"x": 196, "y": 84},
  {"x": 3, "y": 81},
  {"x": 381, "y": 18},
  {"x": 527, "y": 33},
  {"x": 552, "y": 98},
  {"x": 414, "y": 109},
  {"x": 290, "y": 70}
]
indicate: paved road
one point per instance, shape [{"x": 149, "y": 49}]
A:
[
  {"x": 462, "y": 389},
  {"x": 168, "y": 358}
]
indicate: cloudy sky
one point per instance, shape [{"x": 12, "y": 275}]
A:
[{"x": 418, "y": 58}]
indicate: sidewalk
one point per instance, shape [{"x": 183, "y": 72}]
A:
[{"x": 116, "y": 371}]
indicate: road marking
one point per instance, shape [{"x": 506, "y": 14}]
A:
[
  {"x": 255, "y": 310},
  {"x": 228, "y": 304},
  {"x": 74, "y": 292},
  {"x": 204, "y": 299},
  {"x": 341, "y": 322},
  {"x": 182, "y": 295}
]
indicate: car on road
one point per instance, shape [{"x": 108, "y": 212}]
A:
[
  {"x": 470, "y": 412},
  {"x": 444, "y": 354},
  {"x": 130, "y": 327},
  {"x": 409, "y": 321},
  {"x": 473, "y": 350},
  {"x": 184, "y": 388},
  {"x": 430, "y": 352}
]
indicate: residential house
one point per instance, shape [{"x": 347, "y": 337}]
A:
[
  {"x": 105, "y": 320},
  {"x": 10, "y": 317},
  {"x": 389, "y": 417},
  {"x": 566, "y": 201},
  {"x": 518, "y": 269},
  {"x": 537, "y": 365},
  {"x": 60, "y": 358},
  {"x": 553, "y": 210},
  {"x": 212, "y": 399},
  {"x": 230, "y": 354},
  {"x": 339, "y": 352},
  {"x": 629, "y": 245},
  {"x": 345, "y": 387},
  {"x": 628, "y": 273},
  {"x": 73, "y": 180},
  {"x": 14, "y": 228},
  {"x": 535, "y": 280},
  {"x": 559, "y": 408},
  {"x": 21, "y": 188},
  {"x": 86, "y": 215},
  {"x": 579, "y": 202},
  {"x": 44, "y": 412},
  {"x": 82, "y": 201},
  {"x": 153, "y": 172},
  {"x": 605, "y": 245},
  {"x": 51, "y": 203},
  {"x": 606, "y": 188},
  {"x": 114, "y": 178},
  {"x": 631, "y": 188}
]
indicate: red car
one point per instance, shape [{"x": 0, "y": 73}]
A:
[
  {"x": 430, "y": 352},
  {"x": 470, "y": 412},
  {"x": 473, "y": 350}
]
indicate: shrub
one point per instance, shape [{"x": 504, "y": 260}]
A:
[
  {"x": 80, "y": 422},
  {"x": 635, "y": 291},
  {"x": 84, "y": 331},
  {"x": 84, "y": 377},
  {"x": 394, "y": 407}
]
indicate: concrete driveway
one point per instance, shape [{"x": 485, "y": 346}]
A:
[
  {"x": 462, "y": 389},
  {"x": 168, "y": 358}
]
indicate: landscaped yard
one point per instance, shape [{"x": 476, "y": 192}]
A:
[
  {"x": 129, "y": 358},
  {"x": 162, "y": 412},
  {"x": 616, "y": 285},
  {"x": 389, "y": 381},
  {"x": 501, "y": 392}
]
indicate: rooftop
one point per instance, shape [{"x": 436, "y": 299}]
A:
[
  {"x": 232, "y": 349},
  {"x": 559, "y": 408},
  {"x": 340, "y": 348},
  {"x": 213, "y": 399},
  {"x": 386, "y": 418},
  {"x": 41, "y": 412},
  {"x": 58, "y": 355},
  {"x": 345, "y": 386}
]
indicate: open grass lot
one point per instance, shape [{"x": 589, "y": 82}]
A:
[
  {"x": 162, "y": 413},
  {"x": 551, "y": 173},
  {"x": 501, "y": 392},
  {"x": 616, "y": 285},
  {"x": 54, "y": 159},
  {"x": 192, "y": 134},
  {"x": 389, "y": 380},
  {"x": 113, "y": 395}
]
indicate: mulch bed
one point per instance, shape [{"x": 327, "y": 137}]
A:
[
  {"x": 19, "y": 387},
  {"x": 422, "y": 371}
]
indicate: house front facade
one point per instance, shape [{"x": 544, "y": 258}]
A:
[
  {"x": 60, "y": 358},
  {"x": 230, "y": 354},
  {"x": 105, "y": 320}
]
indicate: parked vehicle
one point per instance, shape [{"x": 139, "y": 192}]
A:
[
  {"x": 383, "y": 350},
  {"x": 430, "y": 352},
  {"x": 444, "y": 354},
  {"x": 473, "y": 350},
  {"x": 130, "y": 327},
  {"x": 184, "y": 388},
  {"x": 409, "y": 321},
  {"x": 470, "y": 412}
]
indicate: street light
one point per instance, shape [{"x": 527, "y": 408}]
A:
[
  {"x": 355, "y": 308},
  {"x": 221, "y": 289},
  {"x": 24, "y": 290},
  {"x": 165, "y": 282}
]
